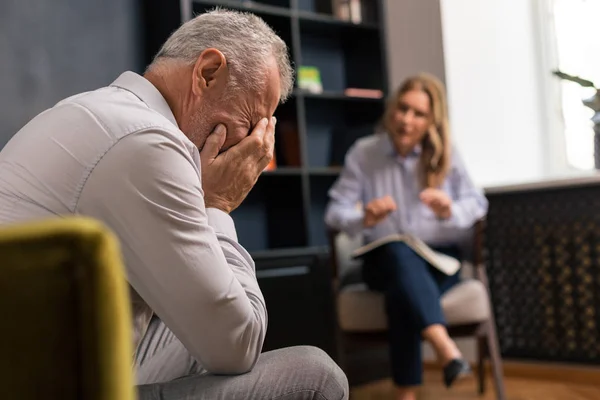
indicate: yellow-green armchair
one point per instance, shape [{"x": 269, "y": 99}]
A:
[{"x": 64, "y": 313}]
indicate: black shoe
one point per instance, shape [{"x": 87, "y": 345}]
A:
[{"x": 455, "y": 369}]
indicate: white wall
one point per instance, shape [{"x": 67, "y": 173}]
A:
[
  {"x": 492, "y": 75},
  {"x": 414, "y": 39}
]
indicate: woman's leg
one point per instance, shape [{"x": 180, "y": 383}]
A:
[
  {"x": 437, "y": 335},
  {"x": 414, "y": 311},
  {"x": 405, "y": 349},
  {"x": 444, "y": 346}
]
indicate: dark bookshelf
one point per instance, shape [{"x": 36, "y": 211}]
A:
[{"x": 286, "y": 207}]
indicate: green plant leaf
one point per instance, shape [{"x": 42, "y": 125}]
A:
[{"x": 572, "y": 78}]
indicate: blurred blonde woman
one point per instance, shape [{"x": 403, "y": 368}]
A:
[{"x": 410, "y": 180}]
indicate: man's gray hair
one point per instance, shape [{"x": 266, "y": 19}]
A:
[{"x": 245, "y": 40}]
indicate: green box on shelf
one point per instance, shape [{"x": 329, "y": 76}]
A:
[{"x": 309, "y": 78}]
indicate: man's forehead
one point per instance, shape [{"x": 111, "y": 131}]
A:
[
  {"x": 274, "y": 88},
  {"x": 269, "y": 97}
]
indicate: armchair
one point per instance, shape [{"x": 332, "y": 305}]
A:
[{"x": 466, "y": 307}]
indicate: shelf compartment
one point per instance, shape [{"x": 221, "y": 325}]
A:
[
  {"x": 347, "y": 57},
  {"x": 331, "y": 95},
  {"x": 287, "y": 139},
  {"x": 325, "y": 171},
  {"x": 325, "y": 21},
  {"x": 284, "y": 171},
  {"x": 272, "y": 215},
  {"x": 262, "y": 7},
  {"x": 319, "y": 186},
  {"x": 284, "y": 4},
  {"x": 323, "y": 10},
  {"x": 333, "y": 126}
]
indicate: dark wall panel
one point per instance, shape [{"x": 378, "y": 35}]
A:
[{"x": 50, "y": 49}]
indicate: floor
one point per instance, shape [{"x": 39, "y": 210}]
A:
[{"x": 516, "y": 389}]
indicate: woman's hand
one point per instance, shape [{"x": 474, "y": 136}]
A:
[
  {"x": 439, "y": 202},
  {"x": 377, "y": 210}
]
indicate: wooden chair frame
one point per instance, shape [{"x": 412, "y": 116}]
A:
[{"x": 484, "y": 332}]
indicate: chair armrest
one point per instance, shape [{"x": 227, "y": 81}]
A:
[
  {"x": 334, "y": 258},
  {"x": 477, "y": 257},
  {"x": 478, "y": 236}
]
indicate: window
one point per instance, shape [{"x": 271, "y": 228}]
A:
[{"x": 572, "y": 40}]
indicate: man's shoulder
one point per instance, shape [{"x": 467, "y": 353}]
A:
[
  {"x": 62, "y": 145},
  {"x": 111, "y": 114},
  {"x": 117, "y": 112}
]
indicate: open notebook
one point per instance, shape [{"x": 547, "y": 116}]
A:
[{"x": 446, "y": 264}]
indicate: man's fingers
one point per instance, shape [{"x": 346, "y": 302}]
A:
[
  {"x": 265, "y": 152},
  {"x": 213, "y": 144},
  {"x": 260, "y": 129},
  {"x": 269, "y": 138},
  {"x": 249, "y": 144}
]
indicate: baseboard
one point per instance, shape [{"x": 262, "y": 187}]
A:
[{"x": 580, "y": 374}]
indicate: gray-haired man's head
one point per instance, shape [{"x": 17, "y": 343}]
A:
[{"x": 237, "y": 70}]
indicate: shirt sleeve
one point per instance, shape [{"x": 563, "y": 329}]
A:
[
  {"x": 342, "y": 212},
  {"x": 182, "y": 259},
  {"x": 469, "y": 204}
]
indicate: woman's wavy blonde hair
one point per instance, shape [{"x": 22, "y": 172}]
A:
[{"x": 436, "y": 146}]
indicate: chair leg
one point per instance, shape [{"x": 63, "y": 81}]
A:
[
  {"x": 496, "y": 360},
  {"x": 482, "y": 352}
]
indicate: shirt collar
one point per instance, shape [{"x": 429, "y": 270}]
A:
[
  {"x": 389, "y": 149},
  {"x": 145, "y": 91}
]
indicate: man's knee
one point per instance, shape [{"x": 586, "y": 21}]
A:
[{"x": 315, "y": 372}]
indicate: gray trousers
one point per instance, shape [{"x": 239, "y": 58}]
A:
[{"x": 166, "y": 371}]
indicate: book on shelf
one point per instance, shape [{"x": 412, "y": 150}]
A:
[
  {"x": 272, "y": 166},
  {"x": 309, "y": 78},
  {"x": 355, "y": 11},
  {"x": 347, "y": 10},
  {"x": 444, "y": 263},
  {"x": 341, "y": 9},
  {"x": 366, "y": 93}
]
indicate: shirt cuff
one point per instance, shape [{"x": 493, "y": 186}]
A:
[
  {"x": 456, "y": 219},
  {"x": 221, "y": 222},
  {"x": 354, "y": 223}
]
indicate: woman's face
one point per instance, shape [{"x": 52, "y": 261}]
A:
[{"x": 410, "y": 120}]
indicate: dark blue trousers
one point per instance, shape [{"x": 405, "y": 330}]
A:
[{"x": 412, "y": 290}]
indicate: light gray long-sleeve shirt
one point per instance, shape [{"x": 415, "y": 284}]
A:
[
  {"x": 373, "y": 169},
  {"x": 117, "y": 154}
]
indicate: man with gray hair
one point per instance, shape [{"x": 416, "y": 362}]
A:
[{"x": 162, "y": 160}]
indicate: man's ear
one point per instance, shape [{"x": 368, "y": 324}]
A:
[{"x": 210, "y": 71}]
